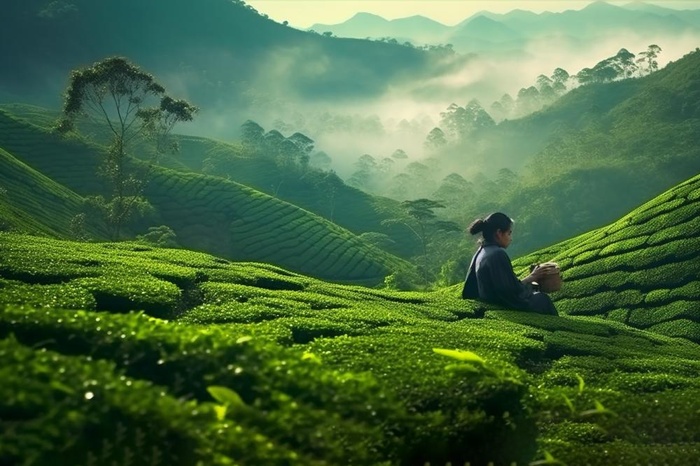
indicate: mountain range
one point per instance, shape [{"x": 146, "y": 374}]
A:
[{"x": 486, "y": 32}]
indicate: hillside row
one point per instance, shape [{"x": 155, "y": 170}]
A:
[
  {"x": 116, "y": 351},
  {"x": 206, "y": 213}
]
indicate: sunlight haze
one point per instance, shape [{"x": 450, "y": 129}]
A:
[{"x": 305, "y": 13}]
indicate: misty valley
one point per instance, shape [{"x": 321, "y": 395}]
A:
[{"x": 225, "y": 240}]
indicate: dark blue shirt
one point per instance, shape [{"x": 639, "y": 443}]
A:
[{"x": 491, "y": 278}]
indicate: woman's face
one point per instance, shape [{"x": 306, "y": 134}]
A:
[{"x": 504, "y": 237}]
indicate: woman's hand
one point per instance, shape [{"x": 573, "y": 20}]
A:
[{"x": 538, "y": 272}]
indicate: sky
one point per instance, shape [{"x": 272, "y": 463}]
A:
[{"x": 304, "y": 13}]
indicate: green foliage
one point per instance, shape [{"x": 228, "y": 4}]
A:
[
  {"x": 162, "y": 236},
  {"x": 118, "y": 94},
  {"x": 226, "y": 218},
  {"x": 641, "y": 270},
  {"x": 258, "y": 365}
]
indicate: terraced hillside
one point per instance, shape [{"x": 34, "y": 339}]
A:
[
  {"x": 117, "y": 352},
  {"x": 209, "y": 213},
  {"x": 231, "y": 220},
  {"x": 320, "y": 192},
  {"x": 29, "y": 201},
  {"x": 316, "y": 192},
  {"x": 643, "y": 270}
]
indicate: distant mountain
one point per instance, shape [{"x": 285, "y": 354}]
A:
[
  {"x": 418, "y": 29},
  {"x": 212, "y": 51},
  {"x": 650, "y": 8},
  {"x": 480, "y": 33},
  {"x": 483, "y": 27},
  {"x": 361, "y": 23}
]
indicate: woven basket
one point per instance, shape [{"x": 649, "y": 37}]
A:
[{"x": 550, "y": 282}]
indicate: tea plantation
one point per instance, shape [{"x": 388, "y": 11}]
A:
[
  {"x": 120, "y": 353},
  {"x": 208, "y": 213},
  {"x": 643, "y": 270}
]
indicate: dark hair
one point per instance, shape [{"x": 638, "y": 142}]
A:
[{"x": 490, "y": 225}]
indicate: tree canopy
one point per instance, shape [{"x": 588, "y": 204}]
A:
[{"x": 132, "y": 104}]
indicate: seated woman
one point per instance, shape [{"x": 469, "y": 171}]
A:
[{"x": 491, "y": 277}]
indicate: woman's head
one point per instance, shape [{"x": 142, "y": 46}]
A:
[{"x": 496, "y": 228}]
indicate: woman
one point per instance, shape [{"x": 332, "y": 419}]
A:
[{"x": 491, "y": 277}]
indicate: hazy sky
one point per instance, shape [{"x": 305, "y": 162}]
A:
[{"x": 304, "y": 13}]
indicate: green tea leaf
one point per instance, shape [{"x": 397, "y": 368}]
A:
[
  {"x": 220, "y": 411},
  {"x": 225, "y": 396},
  {"x": 568, "y": 403},
  {"x": 310, "y": 357},
  {"x": 462, "y": 368},
  {"x": 466, "y": 356},
  {"x": 598, "y": 410},
  {"x": 548, "y": 459}
]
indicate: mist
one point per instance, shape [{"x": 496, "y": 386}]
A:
[{"x": 402, "y": 115}]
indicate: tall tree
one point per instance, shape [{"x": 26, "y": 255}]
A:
[
  {"x": 560, "y": 78},
  {"x": 252, "y": 135},
  {"x": 625, "y": 60},
  {"x": 425, "y": 221},
  {"x": 649, "y": 57},
  {"x": 435, "y": 140},
  {"x": 129, "y": 101},
  {"x": 305, "y": 146}
]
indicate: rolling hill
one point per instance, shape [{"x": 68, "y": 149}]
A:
[
  {"x": 212, "y": 52},
  {"x": 206, "y": 213},
  {"x": 641, "y": 270},
  {"x": 593, "y": 155},
  {"x": 117, "y": 351}
]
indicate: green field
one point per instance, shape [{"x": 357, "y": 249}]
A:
[{"x": 130, "y": 354}]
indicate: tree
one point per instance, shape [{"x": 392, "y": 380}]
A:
[
  {"x": 457, "y": 193},
  {"x": 454, "y": 121},
  {"x": 560, "y": 78},
  {"x": 305, "y": 146},
  {"x": 625, "y": 60},
  {"x": 118, "y": 94},
  {"x": 321, "y": 160},
  {"x": 503, "y": 108},
  {"x": 423, "y": 213},
  {"x": 528, "y": 101},
  {"x": 477, "y": 117},
  {"x": 649, "y": 57},
  {"x": 366, "y": 168},
  {"x": 435, "y": 140},
  {"x": 252, "y": 135},
  {"x": 399, "y": 154}
]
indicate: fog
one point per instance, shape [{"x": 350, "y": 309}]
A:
[{"x": 402, "y": 116}]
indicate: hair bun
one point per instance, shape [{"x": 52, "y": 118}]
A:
[{"x": 477, "y": 226}]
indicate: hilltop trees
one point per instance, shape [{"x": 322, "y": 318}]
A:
[
  {"x": 648, "y": 58},
  {"x": 460, "y": 122},
  {"x": 547, "y": 89},
  {"x": 619, "y": 66},
  {"x": 132, "y": 105}
]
